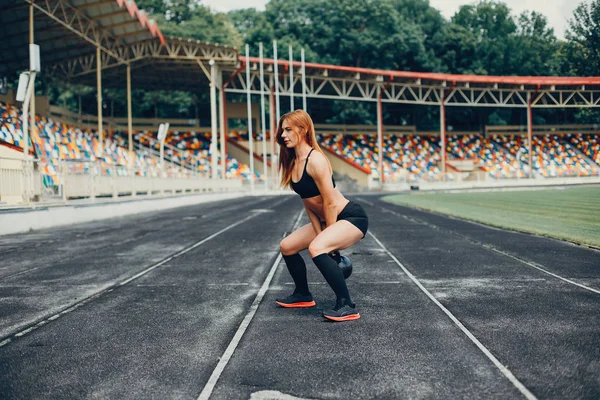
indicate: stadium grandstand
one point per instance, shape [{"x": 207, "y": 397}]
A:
[{"x": 112, "y": 44}]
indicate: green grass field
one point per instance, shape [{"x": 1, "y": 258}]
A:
[{"x": 571, "y": 214}]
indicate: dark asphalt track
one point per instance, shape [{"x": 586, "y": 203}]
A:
[{"x": 73, "y": 324}]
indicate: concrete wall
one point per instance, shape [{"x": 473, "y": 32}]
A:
[
  {"x": 23, "y": 220},
  {"x": 240, "y": 111},
  {"x": 500, "y": 184},
  {"x": 343, "y": 167},
  {"x": 42, "y": 103},
  {"x": 239, "y": 150}
]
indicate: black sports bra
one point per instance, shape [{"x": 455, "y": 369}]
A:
[{"x": 306, "y": 186}]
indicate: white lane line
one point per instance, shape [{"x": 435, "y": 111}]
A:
[
  {"x": 188, "y": 249},
  {"x": 481, "y": 347},
  {"x": 224, "y": 360},
  {"x": 543, "y": 270},
  {"x": 489, "y": 247},
  {"x": 110, "y": 289},
  {"x": 367, "y": 202}
]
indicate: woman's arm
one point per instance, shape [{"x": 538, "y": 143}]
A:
[
  {"x": 314, "y": 220},
  {"x": 318, "y": 168}
]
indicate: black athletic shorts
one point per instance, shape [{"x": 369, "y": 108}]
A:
[{"x": 355, "y": 214}]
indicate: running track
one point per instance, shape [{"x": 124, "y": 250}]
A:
[{"x": 180, "y": 305}]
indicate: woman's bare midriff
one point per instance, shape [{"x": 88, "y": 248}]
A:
[{"x": 315, "y": 204}]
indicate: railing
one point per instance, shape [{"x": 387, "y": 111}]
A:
[
  {"x": 20, "y": 180},
  {"x": 20, "y": 184},
  {"x": 541, "y": 129},
  {"x": 91, "y": 121}
]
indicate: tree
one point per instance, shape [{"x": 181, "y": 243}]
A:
[
  {"x": 583, "y": 49},
  {"x": 173, "y": 10},
  {"x": 535, "y": 50},
  {"x": 491, "y": 24}
]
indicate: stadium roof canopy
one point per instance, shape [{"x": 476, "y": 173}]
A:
[
  {"x": 350, "y": 83},
  {"x": 69, "y": 31}
]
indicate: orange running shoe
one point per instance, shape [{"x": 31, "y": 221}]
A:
[
  {"x": 297, "y": 300},
  {"x": 342, "y": 313}
]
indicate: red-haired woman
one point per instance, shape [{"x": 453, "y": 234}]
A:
[{"x": 335, "y": 222}]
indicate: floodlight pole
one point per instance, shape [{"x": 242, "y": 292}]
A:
[
  {"x": 249, "y": 104},
  {"x": 213, "y": 119},
  {"x": 262, "y": 117},
  {"x": 32, "y": 101},
  {"x": 291, "y": 79},
  {"x": 303, "y": 80}
]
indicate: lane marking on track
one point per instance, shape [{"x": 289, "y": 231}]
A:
[
  {"x": 505, "y": 371},
  {"x": 95, "y": 249},
  {"x": 75, "y": 306},
  {"x": 488, "y": 247},
  {"x": 224, "y": 360},
  {"x": 187, "y": 249}
]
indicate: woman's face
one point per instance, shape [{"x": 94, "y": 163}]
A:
[{"x": 291, "y": 135}]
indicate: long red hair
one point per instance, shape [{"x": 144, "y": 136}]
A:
[{"x": 299, "y": 119}]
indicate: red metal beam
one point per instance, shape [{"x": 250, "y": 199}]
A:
[{"x": 509, "y": 80}]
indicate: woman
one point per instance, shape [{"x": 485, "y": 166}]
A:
[{"x": 335, "y": 222}]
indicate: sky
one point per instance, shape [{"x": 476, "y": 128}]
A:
[{"x": 558, "y": 12}]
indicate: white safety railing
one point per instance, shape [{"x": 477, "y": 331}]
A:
[
  {"x": 20, "y": 180},
  {"x": 22, "y": 185}
]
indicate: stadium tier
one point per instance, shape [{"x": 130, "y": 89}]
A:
[
  {"x": 411, "y": 157},
  {"x": 552, "y": 156},
  {"x": 406, "y": 157},
  {"x": 486, "y": 154},
  {"x": 589, "y": 145},
  {"x": 54, "y": 142}
]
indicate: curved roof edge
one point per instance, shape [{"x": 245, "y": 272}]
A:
[
  {"x": 454, "y": 78},
  {"x": 150, "y": 24}
]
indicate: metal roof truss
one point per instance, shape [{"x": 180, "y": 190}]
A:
[{"x": 415, "y": 92}]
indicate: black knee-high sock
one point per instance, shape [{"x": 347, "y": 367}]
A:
[
  {"x": 297, "y": 268},
  {"x": 334, "y": 277}
]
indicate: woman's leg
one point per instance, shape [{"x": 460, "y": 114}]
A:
[
  {"x": 290, "y": 247},
  {"x": 338, "y": 236}
]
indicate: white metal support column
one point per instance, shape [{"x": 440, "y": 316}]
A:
[
  {"x": 99, "y": 100},
  {"x": 380, "y": 136},
  {"x": 303, "y": 80},
  {"x": 274, "y": 159},
  {"x": 213, "y": 119},
  {"x": 443, "y": 131},
  {"x": 263, "y": 124},
  {"x": 530, "y": 134},
  {"x": 223, "y": 123},
  {"x": 291, "y": 78},
  {"x": 249, "y": 104},
  {"x": 130, "y": 132},
  {"x": 277, "y": 108}
]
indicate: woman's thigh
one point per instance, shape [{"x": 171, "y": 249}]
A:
[
  {"x": 298, "y": 240},
  {"x": 338, "y": 236}
]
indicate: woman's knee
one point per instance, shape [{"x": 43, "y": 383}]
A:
[
  {"x": 287, "y": 247},
  {"x": 315, "y": 248}
]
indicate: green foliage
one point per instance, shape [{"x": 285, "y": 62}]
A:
[
  {"x": 202, "y": 24},
  {"x": 410, "y": 35},
  {"x": 583, "y": 49}
]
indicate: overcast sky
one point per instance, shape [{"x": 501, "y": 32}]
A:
[{"x": 557, "y": 11}]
